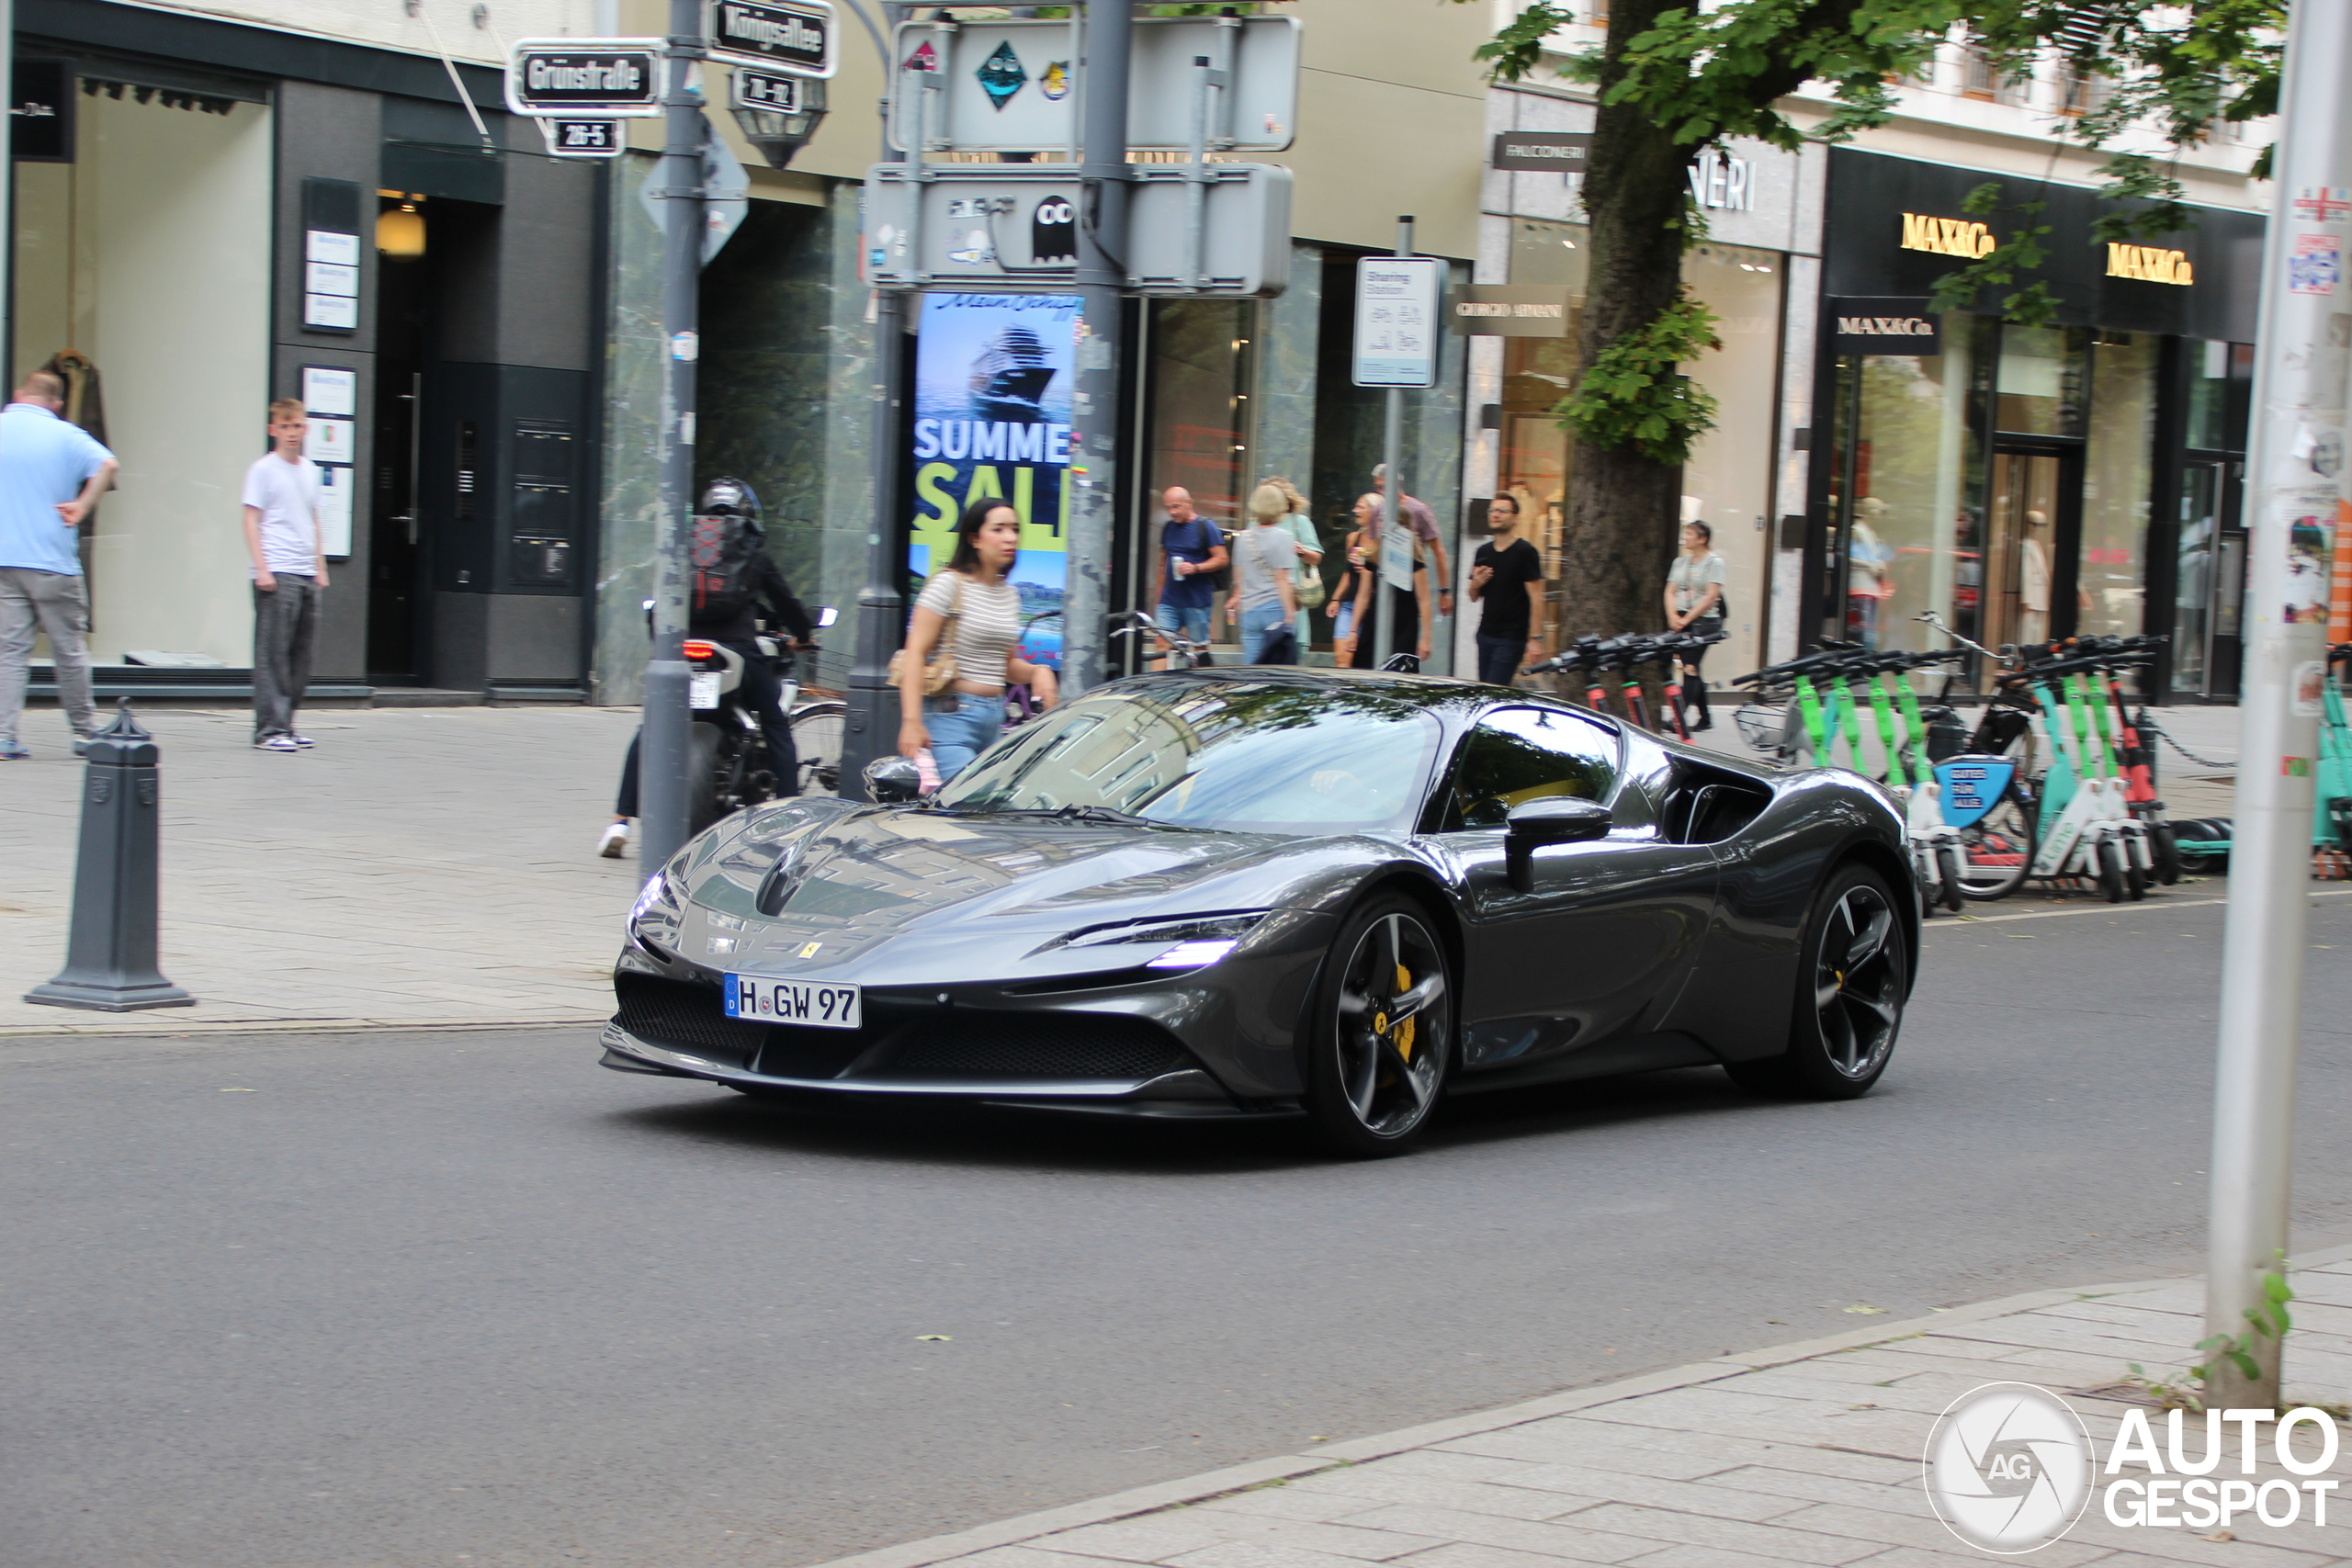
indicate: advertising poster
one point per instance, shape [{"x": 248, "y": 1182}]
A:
[{"x": 993, "y": 411}]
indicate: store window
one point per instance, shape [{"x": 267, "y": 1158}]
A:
[
  {"x": 143, "y": 261},
  {"x": 1726, "y": 483},
  {"x": 1906, "y": 485},
  {"x": 1198, "y": 403},
  {"x": 1537, "y": 373},
  {"x": 2043, "y": 380},
  {"x": 2118, "y": 464}
]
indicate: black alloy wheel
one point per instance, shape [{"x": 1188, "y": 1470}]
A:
[
  {"x": 1850, "y": 992},
  {"x": 1383, "y": 1038}
]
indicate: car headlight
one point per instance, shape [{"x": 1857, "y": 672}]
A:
[
  {"x": 662, "y": 896},
  {"x": 1193, "y": 941}
]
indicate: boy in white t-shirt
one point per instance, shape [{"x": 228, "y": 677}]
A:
[{"x": 289, "y": 575}]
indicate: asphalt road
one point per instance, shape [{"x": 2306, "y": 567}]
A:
[{"x": 311, "y": 1300}]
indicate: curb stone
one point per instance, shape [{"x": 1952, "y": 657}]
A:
[{"x": 1323, "y": 1457}]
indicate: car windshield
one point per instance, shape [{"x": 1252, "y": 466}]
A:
[{"x": 1260, "y": 756}]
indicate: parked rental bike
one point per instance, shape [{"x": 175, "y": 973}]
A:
[{"x": 1599, "y": 659}]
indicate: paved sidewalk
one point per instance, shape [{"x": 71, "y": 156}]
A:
[
  {"x": 423, "y": 865},
  {"x": 1806, "y": 1454}
]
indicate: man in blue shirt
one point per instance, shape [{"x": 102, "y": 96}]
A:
[
  {"x": 51, "y": 473},
  {"x": 1192, "y": 552}
]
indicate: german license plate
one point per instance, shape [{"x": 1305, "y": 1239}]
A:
[
  {"x": 702, "y": 689},
  {"x": 805, "y": 1002}
]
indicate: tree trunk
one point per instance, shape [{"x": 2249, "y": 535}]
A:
[{"x": 1623, "y": 510}]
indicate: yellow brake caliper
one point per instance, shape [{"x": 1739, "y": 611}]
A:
[{"x": 1404, "y": 1026}]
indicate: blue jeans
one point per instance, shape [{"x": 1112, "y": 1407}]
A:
[
  {"x": 1499, "y": 659},
  {"x": 963, "y": 732},
  {"x": 1256, "y": 622},
  {"x": 1185, "y": 620}
]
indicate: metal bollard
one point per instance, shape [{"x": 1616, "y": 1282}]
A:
[{"x": 110, "y": 956}]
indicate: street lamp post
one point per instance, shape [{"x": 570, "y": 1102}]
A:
[
  {"x": 664, "y": 744},
  {"x": 2297, "y": 488},
  {"x": 1101, "y": 289}
]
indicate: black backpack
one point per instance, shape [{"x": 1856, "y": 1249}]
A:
[{"x": 719, "y": 547}]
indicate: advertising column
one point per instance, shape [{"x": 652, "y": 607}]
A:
[{"x": 993, "y": 378}]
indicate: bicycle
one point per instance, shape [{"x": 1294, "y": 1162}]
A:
[{"x": 1183, "y": 652}]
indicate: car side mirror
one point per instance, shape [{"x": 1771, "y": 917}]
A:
[
  {"x": 1553, "y": 820},
  {"x": 892, "y": 780}
]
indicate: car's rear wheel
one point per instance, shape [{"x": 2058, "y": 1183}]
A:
[
  {"x": 1384, "y": 1032},
  {"x": 1854, "y": 977}
]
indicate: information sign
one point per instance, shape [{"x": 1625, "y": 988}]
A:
[
  {"x": 766, "y": 90},
  {"x": 1396, "y": 320},
  {"x": 1010, "y": 87},
  {"x": 582, "y": 138},
  {"x": 585, "y": 76},
  {"x": 792, "y": 36}
]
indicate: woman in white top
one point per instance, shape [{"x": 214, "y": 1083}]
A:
[
  {"x": 1694, "y": 601},
  {"x": 963, "y": 720}
]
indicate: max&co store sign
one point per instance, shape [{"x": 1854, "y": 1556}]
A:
[{"x": 1882, "y": 324}]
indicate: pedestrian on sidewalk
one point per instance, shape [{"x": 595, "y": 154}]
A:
[
  {"x": 1409, "y": 606},
  {"x": 1695, "y": 602},
  {"x": 1507, "y": 579},
  {"x": 1192, "y": 552},
  {"x": 289, "y": 567},
  {"x": 1265, "y": 561},
  {"x": 50, "y": 475},
  {"x": 1418, "y": 517},
  {"x": 1309, "y": 579}
]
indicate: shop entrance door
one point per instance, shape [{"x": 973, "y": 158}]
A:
[
  {"x": 2208, "y": 584},
  {"x": 2028, "y": 546}
]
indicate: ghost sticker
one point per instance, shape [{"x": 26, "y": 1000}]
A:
[
  {"x": 1053, "y": 232},
  {"x": 1054, "y": 83},
  {"x": 1001, "y": 76}
]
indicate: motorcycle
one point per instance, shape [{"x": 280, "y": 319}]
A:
[{"x": 727, "y": 763}]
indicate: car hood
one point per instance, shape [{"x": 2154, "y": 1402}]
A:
[{"x": 895, "y": 869}]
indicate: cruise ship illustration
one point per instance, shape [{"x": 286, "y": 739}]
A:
[{"x": 1010, "y": 377}]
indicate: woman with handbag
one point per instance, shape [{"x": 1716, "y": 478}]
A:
[
  {"x": 1265, "y": 556},
  {"x": 1307, "y": 581},
  {"x": 960, "y": 647}
]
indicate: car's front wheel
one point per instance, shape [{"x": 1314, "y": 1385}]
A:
[
  {"x": 1855, "y": 976},
  {"x": 1384, "y": 1032}
]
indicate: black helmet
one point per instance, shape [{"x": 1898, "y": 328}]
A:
[
  {"x": 892, "y": 780},
  {"x": 732, "y": 498}
]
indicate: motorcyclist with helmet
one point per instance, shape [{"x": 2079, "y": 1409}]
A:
[{"x": 761, "y": 690}]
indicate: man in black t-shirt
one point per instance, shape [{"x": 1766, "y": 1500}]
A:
[{"x": 1506, "y": 575}]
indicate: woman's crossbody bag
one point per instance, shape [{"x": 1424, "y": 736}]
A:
[{"x": 940, "y": 672}]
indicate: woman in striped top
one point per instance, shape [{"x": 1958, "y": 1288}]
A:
[{"x": 963, "y": 720}]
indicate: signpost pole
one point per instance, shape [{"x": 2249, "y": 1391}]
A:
[
  {"x": 2295, "y": 506},
  {"x": 1102, "y": 283},
  {"x": 873, "y": 728},
  {"x": 663, "y": 740},
  {"x": 1391, "y": 456}
]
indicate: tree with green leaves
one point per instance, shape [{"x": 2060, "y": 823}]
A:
[{"x": 1672, "y": 79}]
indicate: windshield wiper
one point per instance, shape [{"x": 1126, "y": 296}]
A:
[{"x": 1109, "y": 814}]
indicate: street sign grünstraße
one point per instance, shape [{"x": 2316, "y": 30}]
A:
[{"x": 594, "y": 76}]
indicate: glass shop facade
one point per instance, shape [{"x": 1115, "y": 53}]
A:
[{"x": 2029, "y": 482}]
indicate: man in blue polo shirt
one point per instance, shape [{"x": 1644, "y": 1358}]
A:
[{"x": 51, "y": 473}]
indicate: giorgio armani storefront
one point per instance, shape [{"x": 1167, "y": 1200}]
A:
[{"x": 2024, "y": 482}]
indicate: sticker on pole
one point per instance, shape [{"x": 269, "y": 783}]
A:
[
  {"x": 1396, "y": 320},
  {"x": 2316, "y": 266}
]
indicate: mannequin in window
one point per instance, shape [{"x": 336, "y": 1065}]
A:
[{"x": 2033, "y": 581}]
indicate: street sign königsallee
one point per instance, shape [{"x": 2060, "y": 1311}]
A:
[
  {"x": 1012, "y": 86},
  {"x": 1013, "y": 227},
  {"x": 792, "y": 36},
  {"x": 585, "y": 76}
]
